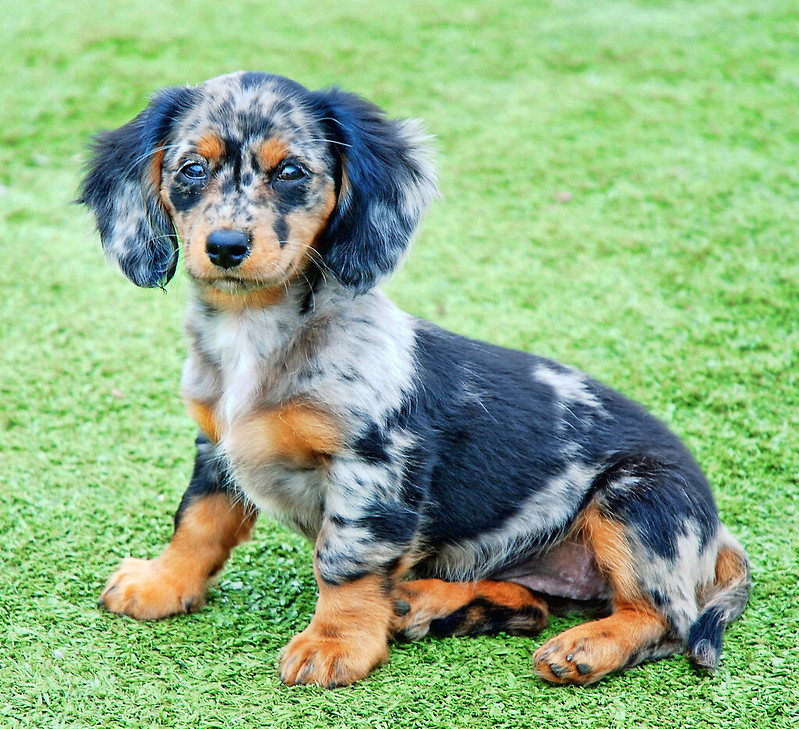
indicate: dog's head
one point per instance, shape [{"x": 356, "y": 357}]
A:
[{"x": 260, "y": 180}]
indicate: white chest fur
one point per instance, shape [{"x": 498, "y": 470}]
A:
[
  {"x": 238, "y": 373},
  {"x": 286, "y": 391},
  {"x": 234, "y": 339}
]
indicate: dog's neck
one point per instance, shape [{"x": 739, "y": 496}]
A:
[
  {"x": 263, "y": 342},
  {"x": 276, "y": 319}
]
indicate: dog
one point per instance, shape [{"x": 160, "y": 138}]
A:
[{"x": 449, "y": 486}]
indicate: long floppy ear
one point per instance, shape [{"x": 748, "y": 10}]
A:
[
  {"x": 386, "y": 182},
  {"x": 123, "y": 185}
]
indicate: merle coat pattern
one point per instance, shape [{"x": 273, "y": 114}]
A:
[{"x": 450, "y": 486}]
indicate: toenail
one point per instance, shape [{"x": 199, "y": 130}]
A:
[{"x": 402, "y": 607}]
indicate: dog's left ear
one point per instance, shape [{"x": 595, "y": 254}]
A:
[
  {"x": 386, "y": 182},
  {"x": 123, "y": 188}
]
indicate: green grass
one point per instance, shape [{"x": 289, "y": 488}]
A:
[{"x": 620, "y": 191}]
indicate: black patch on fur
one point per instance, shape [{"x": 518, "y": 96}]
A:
[
  {"x": 290, "y": 195},
  {"x": 370, "y": 227},
  {"x": 281, "y": 229},
  {"x": 390, "y": 521},
  {"x": 331, "y": 565},
  {"x": 184, "y": 195},
  {"x": 659, "y": 600},
  {"x": 475, "y": 407},
  {"x": 667, "y": 494},
  {"x": 491, "y": 434},
  {"x": 483, "y": 617},
  {"x": 232, "y": 161},
  {"x": 209, "y": 477},
  {"x": 339, "y": 521},
  {"x": 253, "y": 79},
  {"x": 705, "y": 638},
  {"x": 372, "y": 445}
]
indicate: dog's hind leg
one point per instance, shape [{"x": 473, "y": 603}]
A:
[
  {"x": 654, "y": 534},
  {"x": 587, "y": 652},
  {"x": 484, "y": 607},
  {"x": 209, "y": 523}
]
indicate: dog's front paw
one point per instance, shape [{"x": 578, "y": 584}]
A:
[
  {"x": 148, "y": 589},
  {"x": 325, "y": 656}
]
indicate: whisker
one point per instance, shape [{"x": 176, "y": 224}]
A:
[
  {"x": 329, "y": 141},
  {"x": 332, "y": 119},
  {"x": 147, "y": 154}
]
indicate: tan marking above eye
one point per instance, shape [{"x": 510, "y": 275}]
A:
[
  {"x": 272, "y": 153},
  {"x": 211, "y": 147}
]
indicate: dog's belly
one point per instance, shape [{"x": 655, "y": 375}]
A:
[{"x": 568, "y": 571}]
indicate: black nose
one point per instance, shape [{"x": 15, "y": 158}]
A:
[{"x": 227, "y": 248}]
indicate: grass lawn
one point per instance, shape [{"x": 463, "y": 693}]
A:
[{"x": 620, "y": 191}]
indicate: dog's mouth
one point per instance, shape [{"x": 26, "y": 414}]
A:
[
  {"x": 231, "y": 284},
  {"x": 264, "y": 269},
  {"x": 234, "y": 283}
]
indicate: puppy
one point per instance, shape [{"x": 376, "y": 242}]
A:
[{"x": 450, "y": 486}]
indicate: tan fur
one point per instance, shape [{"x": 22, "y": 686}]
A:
[
  {"x": 205, "y": 418},
  {"x": 730, "y": 566},
  {"x": 292, "y": 398},
  {"x": 296, "y": 432},
  {"x": 307, "y": 227},
  {"x": 175, "y": 582},
  {"x": 587, "y": 652},
  {"x": 239, "y": 301},
  {"x": 611, "y": 551},
  {"x": 344, "y": 188},
  {"x": 270, "y": 265},
  {"x": 430, "y": 599},
  {"x": 272, "y": 153},
  {"x": 268, "y": 260},
  {"x": 154, "y": 177},
  {"x": 347, "y": 637},
  {"x": 211, "y": 147}
]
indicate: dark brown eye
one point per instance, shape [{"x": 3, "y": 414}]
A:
[
  {"x": 194, "y": 171},
  {"x": 290, "y": 172}
]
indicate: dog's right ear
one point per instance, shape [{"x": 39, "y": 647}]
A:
[{"x": 123, "y": 188}]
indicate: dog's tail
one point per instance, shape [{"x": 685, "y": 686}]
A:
[{"x": 726, "y": 601}]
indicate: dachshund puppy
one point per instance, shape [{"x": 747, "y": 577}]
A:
[{"x": 450, "y": 487}]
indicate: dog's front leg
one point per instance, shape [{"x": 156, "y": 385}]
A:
[
  {"x": 366, "y": 531},
  {"x": 209, "y": 523},
  {"x": 347, "y": 637}
]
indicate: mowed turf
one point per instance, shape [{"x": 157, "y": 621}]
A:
[{"x": 620, "y": 191}]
